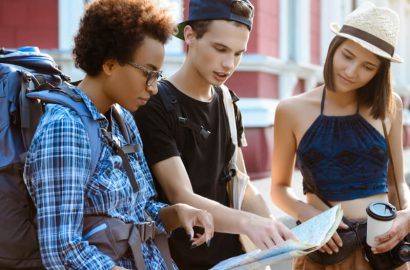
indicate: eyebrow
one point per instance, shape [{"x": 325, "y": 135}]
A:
[
  {"x": 367, "y": 62},
  {"x": 226, "y": 47}
]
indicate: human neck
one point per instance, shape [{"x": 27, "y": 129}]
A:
[
  {"x": 188, "y": 80},
  {"x": 93, "y": 88},
  {"x": 342, "y": 99}
]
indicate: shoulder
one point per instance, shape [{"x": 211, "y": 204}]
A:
[
  {"x": 60, "y": 126},
  {"x": 297, "y": 105},
  {"x": 398, "y": 108},
  {"x": 397, "y": 101},
  {"x": 60, "y": 115}
]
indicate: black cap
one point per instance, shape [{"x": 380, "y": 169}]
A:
[
  {"x": 202, "y": 10},
  {"x": 381, "y": 211}
]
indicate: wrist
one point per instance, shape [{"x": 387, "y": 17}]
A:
[
  {"x": 245, "y": 223},
  {"x": 306, "y": 212}
]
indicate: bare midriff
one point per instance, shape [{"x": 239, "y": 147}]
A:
[{"x": 352, "y": 209}]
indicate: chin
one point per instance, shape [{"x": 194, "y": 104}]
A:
[
  {"x": 131, "y": 108},
  {"x": 216, "y": 82}
]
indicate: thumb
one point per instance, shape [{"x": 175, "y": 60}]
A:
[{"x": 343, "y": 225}]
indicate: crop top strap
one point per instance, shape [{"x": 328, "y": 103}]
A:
[{"x": 322, "y": 103}]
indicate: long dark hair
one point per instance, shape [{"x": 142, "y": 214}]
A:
[{"x": 377, "y": 94}]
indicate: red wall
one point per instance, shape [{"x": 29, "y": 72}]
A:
[
  {"x": 265, "y": 32},
  {"x": 254, "y": 84},
  {"x": 29, "y": 22},
  {"x": 299, "y": 87},
  {"x": 315, "y": 31}
]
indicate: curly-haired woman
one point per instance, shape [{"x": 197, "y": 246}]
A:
[{"x": 120, "y": 46}]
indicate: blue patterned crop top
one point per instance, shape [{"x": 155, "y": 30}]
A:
[{"x": 344, "y": 156}]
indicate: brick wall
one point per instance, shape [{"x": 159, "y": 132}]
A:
[{"x": 29, "y": 22}]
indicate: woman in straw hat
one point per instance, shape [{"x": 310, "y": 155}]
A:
[{"x": 334, "y": 133}]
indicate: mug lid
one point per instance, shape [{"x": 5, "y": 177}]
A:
[{"x": 381, "y": 211}]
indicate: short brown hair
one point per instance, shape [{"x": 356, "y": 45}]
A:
[
  {"x": 239, "y": 8},
  {"x": 377, "y": 94},
  {"x": 114, "y": 29}
]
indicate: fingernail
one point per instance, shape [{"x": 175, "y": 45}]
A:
[
  {"x": 337, "y": 250},
  {"x": 340, "y": 244}
]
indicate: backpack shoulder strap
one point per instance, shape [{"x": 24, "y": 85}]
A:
[
  {"x": 171, "y": 105},
  {"x": 168, "y": 99},
  {"x": 67, "y": 97},
  {"x": 230, "y": 112}
]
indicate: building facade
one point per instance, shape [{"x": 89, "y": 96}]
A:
[
  {"x": 285, "y": 53},
  {"x": 284, "y": 57}
]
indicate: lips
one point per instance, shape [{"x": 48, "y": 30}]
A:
[
  {"x": 143, "y": 101},
  {"x": 221, "y": 76},
  {"x": 345, "y": 80}
]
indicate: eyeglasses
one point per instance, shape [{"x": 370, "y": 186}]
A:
[{"x": 152, "y": 75}]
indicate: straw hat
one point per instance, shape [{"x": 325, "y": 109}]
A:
[{"x": 374, "y": 28}]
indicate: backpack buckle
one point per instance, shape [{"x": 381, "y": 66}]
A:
[
  {"x": 204, "y": 133},
  {"x": 147, "y": 230},
  {"x": 182, "y": 120}
]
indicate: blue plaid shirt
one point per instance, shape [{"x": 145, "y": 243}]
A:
[{"x": 57, "y": 173}]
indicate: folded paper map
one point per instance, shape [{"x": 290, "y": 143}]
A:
[{"x": 311, "y": 235}]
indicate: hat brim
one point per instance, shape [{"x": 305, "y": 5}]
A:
[{"x": 334, "y": 27}]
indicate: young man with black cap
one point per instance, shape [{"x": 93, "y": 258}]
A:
[{"x": 189, "y": 154}]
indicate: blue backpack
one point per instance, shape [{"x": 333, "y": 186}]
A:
[{"x": 28, "y": 80}]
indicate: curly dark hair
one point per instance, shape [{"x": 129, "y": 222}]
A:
[{"x": 114, "y": 29}]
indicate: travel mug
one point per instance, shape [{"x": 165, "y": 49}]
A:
[{"x": 380, "y": 216}]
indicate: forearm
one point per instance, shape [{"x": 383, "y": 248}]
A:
[
  {"x": 253, "y": 202},
  {"x": 60, "y": 242},
  {"x": 405, "y": 195},
  {"x": 285, "y": 199},
  {"x": 226, "y": 220},
  {"x": 75, "y": 256}
]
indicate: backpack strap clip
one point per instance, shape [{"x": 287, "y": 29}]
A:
[
  {"x": 147, "y": 230},
  {"x": 118, "y": 150},
  {"x": 204, "y": 133}
]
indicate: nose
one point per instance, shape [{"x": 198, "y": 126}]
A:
[
  {"x": 351, "y": 70},
  {"x": 153, "y": 89},
  {"x": 228, "y": 62}
]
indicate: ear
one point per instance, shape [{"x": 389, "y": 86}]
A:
[
  {"x": 108, "y": 66},
  {"x": 189, "y": 35}
]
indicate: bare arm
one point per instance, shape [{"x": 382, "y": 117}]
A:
[
  {"x": 283, "y": 162},
  {"x": 174, "y": 180},
  {"x": 395, "y": 137},
  {"x": 253, "y": 201},
  {"x": 401, "y": 225}
]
